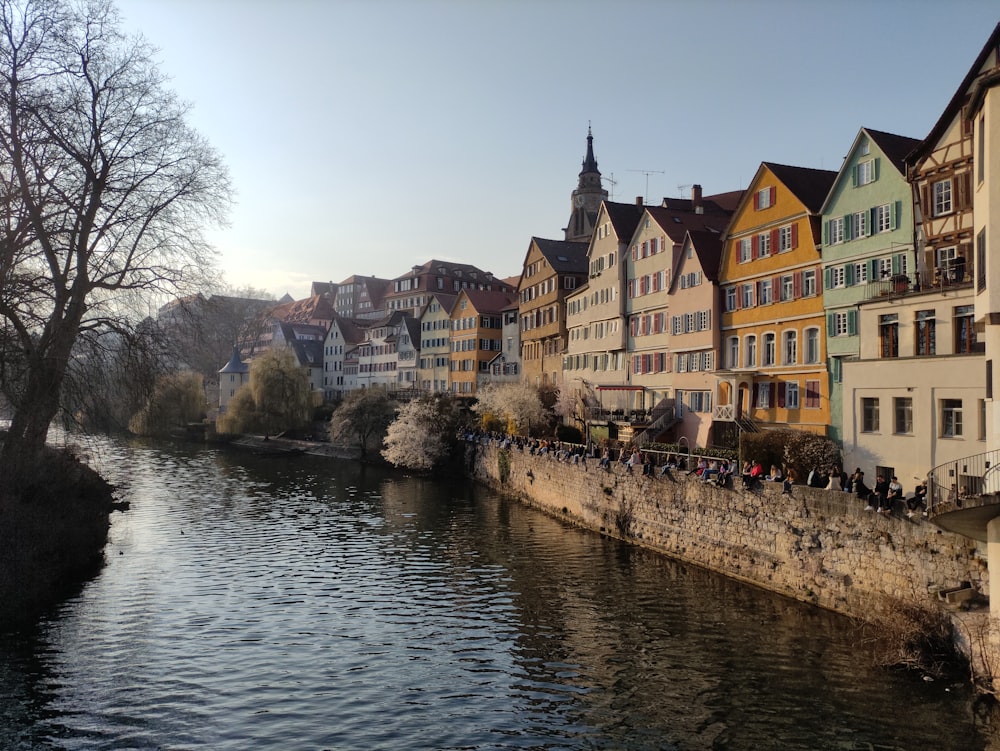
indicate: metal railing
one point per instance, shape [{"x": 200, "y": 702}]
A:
[{"x": 968, "y": 477}]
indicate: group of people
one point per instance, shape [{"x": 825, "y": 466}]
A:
[{"x": 887, "y": 493}]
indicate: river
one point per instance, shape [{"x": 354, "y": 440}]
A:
[{"x": 309, "y": 603}]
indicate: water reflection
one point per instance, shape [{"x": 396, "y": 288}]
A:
[{"x": 268, "y": 602}]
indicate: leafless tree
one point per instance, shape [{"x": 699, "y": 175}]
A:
[{"x": 104, "y": 193}]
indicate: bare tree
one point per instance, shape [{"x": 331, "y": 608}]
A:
[
  {"x": 363, "y": 418},
  {"x": 104, "y": 193}
]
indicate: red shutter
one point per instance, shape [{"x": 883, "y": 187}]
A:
[
  {"x": 795, "y": 235},
  {"x": 770, "y": 394},
  {"x": 774, "y": 195},
  {"x": 754, "y": 246},
  {"x": 781, "y": 394},
  {"x": 756, "y": 200},
  {"x": 797, "y": 285},
  {"x": 774, "y": 241}
]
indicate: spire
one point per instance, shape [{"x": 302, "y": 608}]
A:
[{"x": 589, "y": 163}]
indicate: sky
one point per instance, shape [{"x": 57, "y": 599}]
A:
[{"x": 367, "y": 136}]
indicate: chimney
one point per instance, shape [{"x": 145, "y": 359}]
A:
[
  {"x": 638, "y": 200},
  {"x": 696, "y": 199}
]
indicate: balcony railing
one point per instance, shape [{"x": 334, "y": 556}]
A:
[
  {"x": 970, "y": 477},
  {"x": 951, "y": 273}
]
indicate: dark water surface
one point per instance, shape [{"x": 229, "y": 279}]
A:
[{"x": 304, "y": 603}]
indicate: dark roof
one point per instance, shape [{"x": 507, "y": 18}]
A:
[
  {"x": 235, "y": 364},
  {"x": 809, "y": 185},
  {"x": 413, "y": 329},
  {"x": 351, "y": 330},
  {"x": 488, "y": 301},
  {"x": 315, "y": 308},
  {"x": 624, "y": 218},
  {"x": 894, "y": 147},
  {"x": 676, "y": 223},
  {"x": 957, "y": 101},
  {"x": 567, "y": 256},
  {"x": 447, "y": 299},
  {"x": 708, "y": 246},
  {"x": 726, "y": 201},
  {"x": 308, "y": 352}
]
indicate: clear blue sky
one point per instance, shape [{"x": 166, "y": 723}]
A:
[{"x": 366, "y": 136}]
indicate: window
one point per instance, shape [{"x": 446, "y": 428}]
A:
[
  {"x": 809, "y": 283},
  {"x": 924, "y": 327},
  {"x": 751, "y": 352},
  {"x": 768, "y": 350},
  {"x": 941, "y": 197},
  {"x": 869, "y": 414},
  {"x": 764, "y": 198},
  {"x": 764, "y": 244},
  {"x": 730, "y": 299},
  {"x": 951, "y": 418},
  {"x": 785, "y": 239},
  {"x": 866, "y": 172},
  {"x": 745, "y": 250},
  {"x": 792, "y": 395},
  {"x": 888, "y": 332},
  {"x": 859, "y": 225},
  {"x": 861, "y": 272},
  {"x": 747, "y": 296},
  {"x": 840, "y": 327},
  {"x": 733, "y": 352},
  {"x": 812, "y": 346},
  {"x": 787, "y": 288},
  {"x": 837, "y": 277},
  {"x": 835, "y": 231},
  {"x": 883, "y": 218},
  {"x": 764, "y": 395},
  {"x": 764, "y": 294},
  {"x": 965, "y": 330},
  {"x": 902, "y": 408},
  {"x": 812, "y": 394},
  {"x": 790, "y": 347}
]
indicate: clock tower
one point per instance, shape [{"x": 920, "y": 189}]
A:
[{"x": 587, "y": 197}]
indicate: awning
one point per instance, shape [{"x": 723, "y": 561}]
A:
[{"x": 621, "y": 388}]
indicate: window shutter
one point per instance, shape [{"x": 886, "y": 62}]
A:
[
  {"x": 755, "y": 391},
  {"x": 875, "y": 168},
  {"x": 852, "y": 322},
  {"x": 773, "y": 194},
  {"x": 854, "y": 176},
  {"x": 849, "y": 275},
  {"x": 895, "y": 212},
  {"x": 826, "y": 233},
  {"x": 781, "y": 394},
  {"x": 795, "y": 235},
  {"x": 895, "y": 264},
  {"x": 873, "y": 270},
  {"x": 847, "y": 227},
  {"x": 774, "y": 241},
  {"x": 925, "y": 199},
  {"x": 830, "y": 323},
  {"x": 872, "y": 218},
  {"x": 797, "y": 285},
  {"x": 708, "y": 320},
  {"x": 770, "y": 395},
  {"x": 758, "y": 285},
  {"x": 756, "y": 201},
  {"x": 754, "y": 246},
  {"x": 963, "y": 189}
]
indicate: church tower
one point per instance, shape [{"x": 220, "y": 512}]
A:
[{"x": 586, "y": 198}]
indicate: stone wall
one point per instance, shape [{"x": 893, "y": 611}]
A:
[{"x": 817, "y": 546}]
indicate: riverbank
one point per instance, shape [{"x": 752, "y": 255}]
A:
[
  {"x": 903, "y": 576},
  {"x": 52, "y": 538}
]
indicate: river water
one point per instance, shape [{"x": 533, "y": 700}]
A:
[{"x": 306, "y": 603}]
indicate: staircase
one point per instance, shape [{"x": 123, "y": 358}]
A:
[{"x": 663, "y": 417}]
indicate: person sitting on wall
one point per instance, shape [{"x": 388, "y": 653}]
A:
[
  {"x": 895, "y": 494},
  {"x": 862, "y": 491},
  {"x": 881, "y": 491},
  {"x": 774, "y": 475},
  {"x": 710, "y": 471},
  {"x": 833, "y": 483},
  {"x": 745, "y": 473},
  {"x": 725, "y": 470},
  {"x": 918, "y": 500}
]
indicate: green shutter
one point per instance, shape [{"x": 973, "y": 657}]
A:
[
  {"x": 849, "y": 275},
  {"x": 827, "y": 278},
  {"x": 826, "y": 233},
  {"x": 830, "y": 323},
  {"x": 895, "y": 264},
  {"x": 896, "y": 213},
  {"x": 852, "y": 322},
  {"x": 875, "y": 166},
  {"x": 854, "y": 176},
  {"x": 873, "y": 270}
]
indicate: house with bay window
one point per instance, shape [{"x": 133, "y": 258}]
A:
[
  {"x": 867, "y": 246},
  {"x": 773, "y": 326}
]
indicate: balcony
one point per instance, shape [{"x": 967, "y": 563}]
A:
[
  {"x": 963, "y": 495},
  {"x": 951, "y": 273}
]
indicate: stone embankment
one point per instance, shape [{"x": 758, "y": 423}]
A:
[{"x": 817, "y": 546}]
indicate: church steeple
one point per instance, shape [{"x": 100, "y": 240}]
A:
[{"x": 586, "y": 199}]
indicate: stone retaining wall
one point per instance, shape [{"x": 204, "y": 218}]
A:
[{"x": 817, "y": 546}]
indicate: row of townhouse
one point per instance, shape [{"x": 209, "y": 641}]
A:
[{"x": 859, "y": 303}]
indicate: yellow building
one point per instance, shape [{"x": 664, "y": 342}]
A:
[{"x": 772, "y": 371}]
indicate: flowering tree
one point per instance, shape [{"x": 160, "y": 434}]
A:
[
  {"x": 517, "y": 405},
  {"x": 422, "y": 434}
]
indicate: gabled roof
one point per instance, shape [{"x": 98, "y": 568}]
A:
[
  {"x": 488, "y": 301},
  {"x": 958, "y": 100},
  {"x": 809, "y": 185},
  {"x": 308, "y": 352},
  {"x": 315, "y": 308},
  {"x": 446, "y": 300},
  {"x": 708, "y": 247},
  {"x": 624, "y": 217},
  {"x": 565, "y": 256},
  {"x": 352, "y": 332},
  {"x": 413, "y": 329},
  {"x": 675, "y": 223},
  {"x": 894, "y": 147}
]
